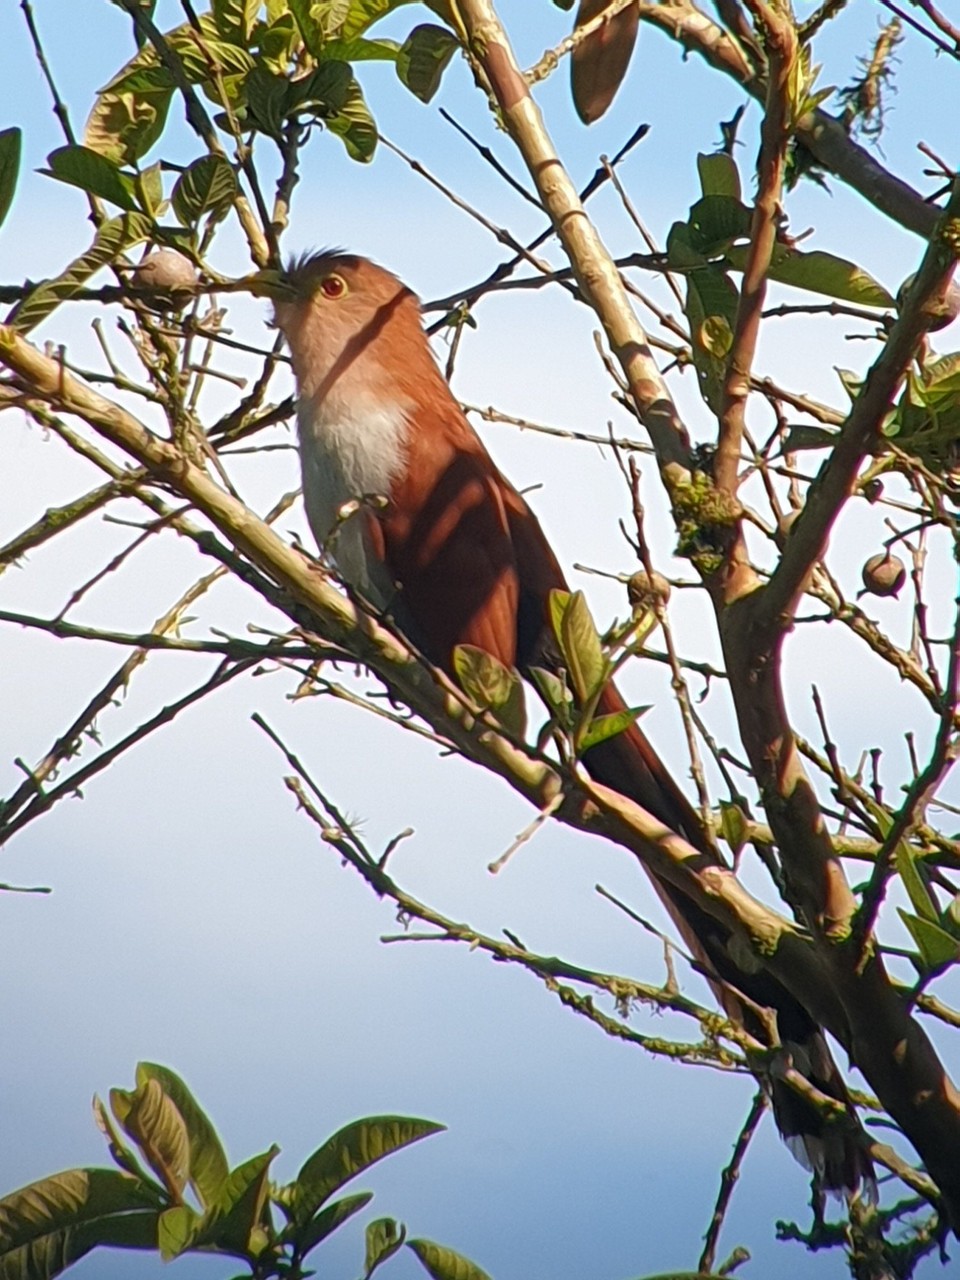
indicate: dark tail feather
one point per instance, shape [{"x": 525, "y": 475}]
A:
[{"x": 834, "y": 1153}]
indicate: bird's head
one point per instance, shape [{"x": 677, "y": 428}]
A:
[{"x": 344, "y": 318}]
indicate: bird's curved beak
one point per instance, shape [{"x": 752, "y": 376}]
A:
[{"x": 271, "y": 283}]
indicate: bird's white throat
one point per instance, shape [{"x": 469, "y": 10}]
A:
[{"x": 349, "y": 451}]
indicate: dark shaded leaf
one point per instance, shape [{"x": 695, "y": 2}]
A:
[
  {"x": 444, "y": 1264},
  {"x": 351, "y": 1150},
  {"x": 820, "y": 272},
  {"x": 600, "y": 61},
  {"x": 715, "y": 222},
  {"x": 327, "y": 1220},
  {"x": 239, "y": 1209},
  {"x": 10, "y": 147},
  {"x": 353, "y": 123},
  {"x": 209, "y": 186},
  {"x": 802, "y": 435},
  {"x": 94, "y": 173},
  {"x": 423, "y": 58},
  {"x": 235, "y": 18}
]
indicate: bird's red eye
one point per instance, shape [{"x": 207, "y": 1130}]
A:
[{"x": 333, "y": 287}]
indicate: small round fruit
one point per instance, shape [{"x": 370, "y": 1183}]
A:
[
  {"x": 884, "y": 575},
  {"x": 167, "y": 270},
  {"x": 646, "y": 590}
]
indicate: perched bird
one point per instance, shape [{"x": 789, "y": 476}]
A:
[{"x": 456, "y": 556}]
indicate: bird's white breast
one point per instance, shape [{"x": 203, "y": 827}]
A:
[{"x": 349, "y": 451}]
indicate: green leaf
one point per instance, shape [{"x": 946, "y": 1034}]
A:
[
  {"x": 803, "y": 435},
  {"x": 719, "y": 175},
  {"x": 384, "y": 1237},
  {"x": 209, "y": 186},
  {"x": 819, "y": 272},
  {"x": 715, "y": 222},
  {"x": 364, "y": 13},
  {"x": 733, "y": 825},
  {"x": 555, "y": 694},
  {"x": 239, "y": 1209},
  {"x": 711, "y": 314},
  {"x": 423, "y": 58},
  {"x": 94, "y": 173},
  {"x": 444, "y": 1264},
  {"x": 353, "y": 123},
  {"x": 352, "y": 1149},
  {"x": 235, "y": 19},
  {"x": 604, "y": 727},
  {"x": 579, "y": 643},
  {"x": 10, "y": 146},
  {"x": 360, "y": 50},
  {"x": 176, "y": 1228},
  {"x": 149, "y": 188},
  {"x": 937, "y": 948},
  {"x": 915, "y": 883},
  {"x": 48, "y": 1225},
  {"x": 491, "y": 685},
  {"x": 112, "y": 239},
  {"x": 130, "y": 112},
  {"x": 208, "y": 1161},
  {"x": 319, "y": 21},
  {"x": 125, "y": 124},
  {"x": 326, "y": 1221},
  {"x": 119, "y": 1151},
  {"x": 151, "y": 1118}
]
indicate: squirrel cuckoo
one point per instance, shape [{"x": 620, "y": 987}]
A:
[{"x": 456, "y": 556}]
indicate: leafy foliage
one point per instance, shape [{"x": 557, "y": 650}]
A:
[{"x": 48, "y": 1225}]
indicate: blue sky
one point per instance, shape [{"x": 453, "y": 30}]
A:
[{"x": 196, "y": 921}]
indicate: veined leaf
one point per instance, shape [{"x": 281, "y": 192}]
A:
[
  {"x": 10, "y": 146},
  {"x": 360, "y": 50},
  {"x": 151, "y": 1118},
  {"x": 579, "y": 642},
  {"x": 819, "y": 272},
  {"x": 424, "y": 57},
  {"x": 235, "y": 19},
  {"x": 94, "y": 173},
  {"x": 209, "y": 186},
  {"x": 384, "y": 1236},
  {"x": 352, "y": 1149},
  {"x": 487, "y": 682},
  {"x": 114, "y": 237},
  {"x": 364, "y": 13},
  {"x": 239, "y": 1209},
  {"x": 603, "y": 727},
  {"x": 208, "y": 1161},
  {"x": 48, "y": 1225},
  {"x": 733, "y": 825},
  {"x": 716, "y": 221},
  {"x": 441, "y": 1263},
  {"x": 353, "y": 123}
]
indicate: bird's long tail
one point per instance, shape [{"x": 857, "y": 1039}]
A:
[{"x": 833, "y": 1152}]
